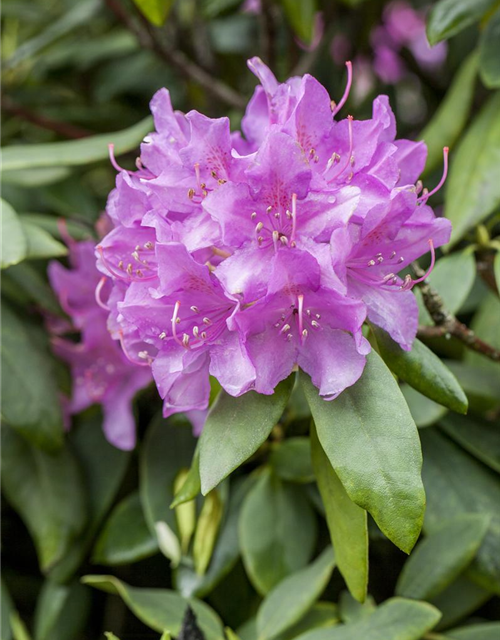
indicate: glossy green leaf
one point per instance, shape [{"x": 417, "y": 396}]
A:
[
  {"x": 489, "y": 60},
  {"x": 103, "y": 467},
  {"x": 300, "y": 15},
  {"x": 47, "y": 492},
  {"x": 423, "y": 370},
  {"x": 395, "y": 619},
  {"x": 346, "y": 521},
  {"x": 61, "y": 611},
  {"x": 156, "y": 11},
  {"x": 453, "y": 277},
  {"x": 479, "y": 437},
  {"x": 462, "y": 485},
  {"x": 185, "y": 514},
  {"x": 473, "y": 188},
  {"x": 441, "y": 557},
  {"x": 41, "y": 244},
  {"x": 14, "y": 244},
  {"x": 271, "y": 511},
  {"x": 206, "y": 531},
  {"x": 351, "y": 610},
  {"x": 168, "y": 447},
  {"x": 30, "y": 178},
  {"x": 125, "y": 537},
  {"x": 30, "y": 397},
  {"x": 291, "y": 598},
  {"x": 191, "y": 486},
  {"x": 235, "y": 429},
  {"x": 372, "y": 443},
  {"x": 291, "y": 460},
  {"x": 424, "y": 411},
  {"x": 321, "y": 615},
  {"x": 75, "y": 152},
  {"x": 451, "y": 116},
  {"x": 34, "y": 284},
  {"x": 19, "y": 629},
  {"x": 479, "y": 381},
  {"x": 5, "y": 612},
  {"x": 484, "y": 631},
  {"x": 459, "y": 600},
  {"x": 160, "y": 609},
  {"x": 449, "y": 17},
  {"x": 485, "y": 326}
]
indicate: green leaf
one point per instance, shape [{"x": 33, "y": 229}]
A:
[
  {"x": 14, "y": 244},
  {"x": 156, "y": 11},
  {"x": 300, "y": 15},
  {"x": 423, "y": 370},
  {"x": 6, "y": 610},
  {"x": 346, "y": 521},
  {"x": 372, "y": 443},
  {"x": 351, "y": 610},
  {"x": 485, "y": 631},
  {"x": 47, "y": 492},
  {"x": 235, "y": 429},
  {"x": 451, "y": 116},
  {"x": 441, "y": 557},
  {"x": 459, "y": 600},
  {"x": 291, "y": 460},
  {"x": 103, "y": 467},
  {"x": 185, "y": 514},
  {"x": 30, "y": 178},
  {"x": 485, "y": 326},
  {"x": 457, "y": 484},
  {"x": 453, "y": 277},
  {"x": 125, "y": 537},
  {"x": 479, "y": 381},
  {"x": 395, "y": 619},
  {"x": 75, "y": 152},
  {"x": 32, "y": 282},
  {"x": 168, "y": 447},
  {"x": 207, "y": 530},
  {"x": 41, "y": 244},
  {"x": 51, "y": 224},
  {"x": 19, "y": 630},
  {"x": 477, "y": 436},
  {"x": 449, "y": 17},
  {"x": 489, "y": 60},
  {"x": 191, "y": 486},
  {"x": 271, "y": 511},
  {"x": 321, "y": 615},
  {"x": 289, "y": 601},
  {"x": 473, "y": 188},
  {"x": 30, "y": 397},
  {"x": 61, "y": 611},
  {"x": 160, "y": 609},
  {"x": 424, "y": 411}
]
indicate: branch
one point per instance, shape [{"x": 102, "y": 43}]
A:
[
  {"x": 446, "y": 324},
  {"x": 148, "y": 39}
]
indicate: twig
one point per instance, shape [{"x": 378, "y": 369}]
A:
[
  {"x": 62, "y": 128},
  {"x": 149, "y": 39},
  {"x": 447, "y": 324}
]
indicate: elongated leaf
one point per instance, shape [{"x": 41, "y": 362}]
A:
[
  {"x": 156, "y": 11},
  {"x": 485, "y": 631},
  {"x": 321, "y": 615},
  {"x": 351, "y": 610},
  {"x": 459, "y": 600},
  {"x": 35, "y": 177},
  {"x": 489, "y": 60},
  {"x": 47, "y": 492},
  {"x": 103, "y": 467},
  {"x": 235, "y": 429},
  {"x": 61, "y": 611},
  {"x": 424, "y": 411},
  {"x": 479, "y": 381},
  {"x": 125, "y": 537},
  {"x": 30, "y": 397},
  {"x": 451, "y": 116},
  {"x": 191, "y": 486},
  {"x": 160, "y": 609},
  {"x": 271, "y": 511},
  {"x": 41, "y": 244},
  {"x": 423, "y": 370},
  {"x": 473, "y": 188},
  {"x": 168, "y": 447},
  {"x": 453, "y": 277},
  {"x": 207, "y": 530},
  {"x": 372, "y": 443},
  {"x": 74, "y": 152},
  {"x": 35, "y": 285},
  {"x": 5, "y": 612},
  {"x": 449, "y": 17},
  {"x": 478, "y": 437},
  {"x": 485, "y": 326},
  {"x": 396, "y": 618},
  {"x": 346, "y": 521},
  {"x": 300, "y": 14},
  {"x": 14, "y": 244},
  {"x": 294, "y": 596},
  {"x": 449, "y": 495},
  {"x": 51, "y": 224},
  {"x": 441, "y": 557},
  {"x": 291, "y": 460}
]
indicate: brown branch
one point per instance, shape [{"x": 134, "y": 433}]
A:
[
  {"x": 446, "y": 324},
  {"x": 148, "y": 39},
  {"x": 62, "y": 128}
]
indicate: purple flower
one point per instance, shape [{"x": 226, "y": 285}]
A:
[{"x": 244, "y": 255}]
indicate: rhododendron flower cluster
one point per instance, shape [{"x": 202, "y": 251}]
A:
[{"x": 244, "y": 255}]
